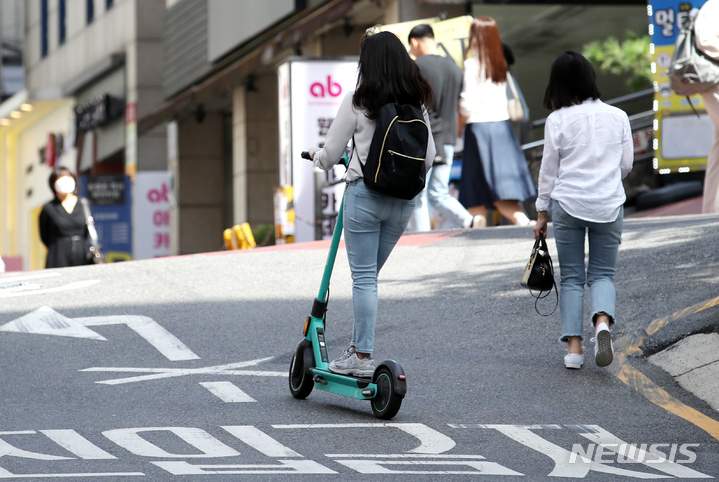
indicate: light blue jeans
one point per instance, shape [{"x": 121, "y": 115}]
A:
[
  {"x": 373, "y": 224},
  {"x": 604, "y": 240},
  {"x": 437, "y": 192}
]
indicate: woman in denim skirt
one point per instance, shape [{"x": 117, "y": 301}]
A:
[
  {"x": 373, "y": 222},
  {"x": 588, "y": 150}
]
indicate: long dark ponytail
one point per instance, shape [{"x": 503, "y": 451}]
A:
[{"x": 388, "y": 74}]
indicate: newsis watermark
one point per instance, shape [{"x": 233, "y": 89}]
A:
[{"x": 632, "y": 453}]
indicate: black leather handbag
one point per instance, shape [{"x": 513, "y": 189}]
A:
[{"x": 539, "y": 273}]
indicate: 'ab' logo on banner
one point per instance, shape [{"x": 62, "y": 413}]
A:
[{"x": 333, "y": 89}]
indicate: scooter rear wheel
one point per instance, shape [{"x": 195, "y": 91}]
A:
[
  {"x": 301, "y": 383},
  {"x": 386, "y": 402}
]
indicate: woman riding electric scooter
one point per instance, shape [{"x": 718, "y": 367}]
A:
[{"x": 373, "y": 222}]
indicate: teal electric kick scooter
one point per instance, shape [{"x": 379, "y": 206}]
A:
[{"x": 310, "y": 364}]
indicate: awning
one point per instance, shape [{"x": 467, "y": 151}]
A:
[{"x": 258, "y": 53}]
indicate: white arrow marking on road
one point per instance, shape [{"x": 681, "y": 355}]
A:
[
  {"x": 228, "y": 392},
  {"x": 72, "y": 286},
  {"x": 158, "y": 373},
  {"x": 165, "y": 342},
  {"x": 46, "y": 321}
]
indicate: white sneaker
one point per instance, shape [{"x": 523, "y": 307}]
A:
[
  {"x": 350, "y": 364},
  {"x": 603, "y": 346},
  {"x": 478, "y": 221},
  {"x": 573, "y": 360}
]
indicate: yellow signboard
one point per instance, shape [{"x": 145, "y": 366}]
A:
[
  {"x": 682, "y": 135},
  {"x": 451, "y": 34}
]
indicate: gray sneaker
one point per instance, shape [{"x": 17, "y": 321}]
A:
[{"x": 350, "y": 364}]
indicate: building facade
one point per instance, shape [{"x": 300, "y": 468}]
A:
[{"x": 90, "y": 68}]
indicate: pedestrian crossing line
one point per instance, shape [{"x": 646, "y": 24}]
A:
[
  {"x": 630, "y": 376},
  {"x": 228, "y": 392}
]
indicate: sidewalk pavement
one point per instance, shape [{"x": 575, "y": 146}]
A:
[
  {"x": 693, "y": 361},
  {"x": 694, "y": 364},
  {"x": 688, "y": 206}
]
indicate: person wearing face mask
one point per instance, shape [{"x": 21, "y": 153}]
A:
[{"x": 62, "y": 223}]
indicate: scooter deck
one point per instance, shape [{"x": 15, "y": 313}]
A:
[{"x": 360, "y": 388}]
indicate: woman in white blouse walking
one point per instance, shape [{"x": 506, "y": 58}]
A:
[
  {"x": 588, "y": 150},
  {"x": 373, "y": 222}
]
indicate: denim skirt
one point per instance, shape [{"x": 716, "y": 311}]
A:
[{"x": 493, "y": 166}]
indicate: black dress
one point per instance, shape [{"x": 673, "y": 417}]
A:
[{"x": 64, "y": 234}]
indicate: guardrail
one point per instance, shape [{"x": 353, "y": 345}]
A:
[{"x": 640, "y": 121}]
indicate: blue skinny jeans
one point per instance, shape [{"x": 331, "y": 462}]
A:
[
  {"x": 373, "y": 223},
  {"x": 604, "y": 240}
]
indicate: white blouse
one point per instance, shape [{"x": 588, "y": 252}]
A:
[
  {"x": 353, "y": 122},
  {"x": 706, "y": 29},
  {"x": 481, "y": 99},
  {"x": 588, "y": 150}
]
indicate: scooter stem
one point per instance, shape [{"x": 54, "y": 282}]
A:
[{"x": 334, "y": 246}]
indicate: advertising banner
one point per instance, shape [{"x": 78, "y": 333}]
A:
[
  {"x": 110, "y": 199},
  {"x": 151, "y": 215},
  {"x": 682, "y": 140},
  {"x": 451, "y": 34},
  {"x": 310, "y": 93}
]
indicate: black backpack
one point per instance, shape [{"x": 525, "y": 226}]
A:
[{"x": 395, "y": 163}]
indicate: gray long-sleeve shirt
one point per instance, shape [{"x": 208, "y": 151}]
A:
[{"x": 353, "y": 122}]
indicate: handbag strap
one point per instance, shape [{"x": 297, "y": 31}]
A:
[
  {"x": 510, "y": 82},
  {"x": 89, "y": 221}
]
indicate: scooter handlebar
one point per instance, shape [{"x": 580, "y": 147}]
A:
[{"x": 344, "y": 161}]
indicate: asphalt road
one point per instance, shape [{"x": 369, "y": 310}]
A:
[{"x": 176, "y": 369}]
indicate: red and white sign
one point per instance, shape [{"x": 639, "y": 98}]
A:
[
  {"x": 310, "y": 93},
  {"x": 151, "y": 215}
]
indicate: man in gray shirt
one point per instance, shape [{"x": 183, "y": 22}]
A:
[{"x": 446, "y": 79}]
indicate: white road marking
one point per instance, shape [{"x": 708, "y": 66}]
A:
[
  {"x": 377, "y": 467},
  {"x": 46, "y": 321},
  {"x": 209, "y": 446},
  {"x": 260, "y": 441},
  {"x": 8, "y": 450},
  {"x": 561, "y": 457},
  {"x": 12, "y": 279},
  {"x": 598, "y": 435},
  {"x": 4, "y": 474},
  {"x": 404, "y": 456},
  {"x": 228, "y": 392},
  {"x": 158, "y": 373},
  {"x": 75, "y": 443},
  {"x": 432, "y": 441},
  {"x": 164, "y": 341},
  {"x": 285, "y": 467},
  {"x": 71, "y": 286}
]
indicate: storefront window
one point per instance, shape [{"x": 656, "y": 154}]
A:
[
  {"x": 61, "y": 20},
  {"x": 90, "y": 11},
  {"x": 43, "y": 28}
]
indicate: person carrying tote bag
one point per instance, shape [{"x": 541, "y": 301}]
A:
[{"x": 588, "y": 150}]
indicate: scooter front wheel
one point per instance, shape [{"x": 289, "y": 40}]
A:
[
  {"x": 301, "y": 383},
  {"x": 388, "y": 399}
]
